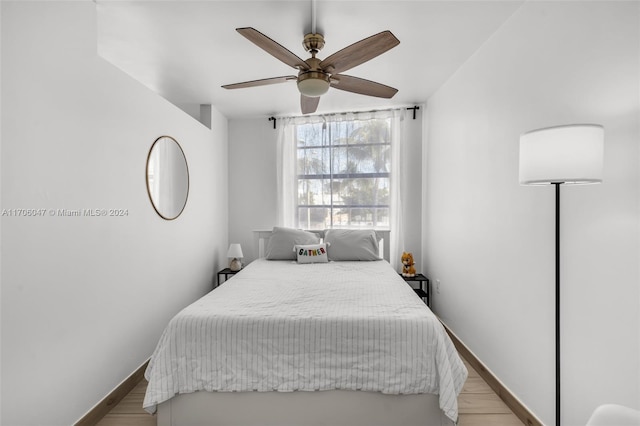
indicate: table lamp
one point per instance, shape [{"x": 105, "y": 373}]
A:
[{"x": 235, "y": 254}]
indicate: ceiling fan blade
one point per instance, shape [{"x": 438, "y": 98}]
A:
[
  {"x": 262, "y": 82},
  {"x": 362, "y": 86},
  {"x": 359, "y": 52},
  {"x": 308, "y": 104},
  {"x": 273, "y": 48}
]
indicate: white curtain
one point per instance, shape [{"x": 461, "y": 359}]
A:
[
  {"x": 397, "y": 183},
  {"x": 287, "y": 173}
]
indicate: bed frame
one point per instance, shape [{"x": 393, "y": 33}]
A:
[{"x": 322, "y": 408}]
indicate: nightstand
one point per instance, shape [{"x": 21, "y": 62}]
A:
[
  {"x": 423, "y": 292},
  {"x": 226, "y": 273}
]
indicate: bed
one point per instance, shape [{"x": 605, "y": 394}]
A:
[{"x": 283, "y": 342}]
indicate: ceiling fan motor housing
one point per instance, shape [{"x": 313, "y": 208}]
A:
[{"x": 313, "y": 43}]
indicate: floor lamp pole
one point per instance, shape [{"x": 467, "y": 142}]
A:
[{"x": 557, "y": 185}]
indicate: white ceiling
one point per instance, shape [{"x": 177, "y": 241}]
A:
[{"x": 185, "y": 50}]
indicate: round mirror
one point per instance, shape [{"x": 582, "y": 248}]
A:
[{"x": 167, "y": 177}]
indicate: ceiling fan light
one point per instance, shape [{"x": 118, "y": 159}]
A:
[{"x": 313, "y": 84}]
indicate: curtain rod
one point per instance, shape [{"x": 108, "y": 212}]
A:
[{"x": 414, "y": 108}]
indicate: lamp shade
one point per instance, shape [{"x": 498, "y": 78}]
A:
[
  {"x": 571, "y": 154},
  {"x": 235, "y": 251},
  {"x": 313, "y": 84}
]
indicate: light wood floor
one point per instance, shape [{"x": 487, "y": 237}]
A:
[{"x": 478, "y": 406}]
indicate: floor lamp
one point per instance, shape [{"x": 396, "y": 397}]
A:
[{"x": 561, "y": 155}]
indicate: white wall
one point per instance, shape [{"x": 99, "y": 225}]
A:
[
  {"x": 84, "y": 299},
  {"x": 253, "y": 187},
  {"x": 490, "y": 241},
  {"x": 252, "y": 181}
]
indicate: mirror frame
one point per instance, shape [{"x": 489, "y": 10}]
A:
[{"x": 146, "y": 178}]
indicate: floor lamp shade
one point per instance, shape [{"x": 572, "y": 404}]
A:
[{"x": 571, "y": 154}]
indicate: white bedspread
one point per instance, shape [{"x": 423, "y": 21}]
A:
[{"x": 280, "y": 326}]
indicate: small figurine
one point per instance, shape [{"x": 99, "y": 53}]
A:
[{"x": 408, "y": 270}]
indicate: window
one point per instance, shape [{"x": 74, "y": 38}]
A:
[{"x": 343, "y": 173}]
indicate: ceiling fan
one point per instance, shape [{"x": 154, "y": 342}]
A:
[{"x": 315, "y": 76}]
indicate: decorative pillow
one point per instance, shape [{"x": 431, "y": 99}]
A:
[
  {"x": 352, "y": 244},
  {"x": 282, "y": 241},
  {"x": 311, "y": 253}
]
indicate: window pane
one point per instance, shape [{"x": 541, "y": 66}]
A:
[
  {"x": 361, "y": 192},
  {"x": 360, "y": 131},
  {"x": 309, "y": 135},
  {"x": 361, "y": 159},
  {"x": 314, "y": 217},
  {"x": 366, "y": 131},
  {"x": 361, "y": 218},
  {"x": 313, "y": 161},
  {"x": 314, "y": 192}
]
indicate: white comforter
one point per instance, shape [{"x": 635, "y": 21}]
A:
[{"x": 280, "y": 326}]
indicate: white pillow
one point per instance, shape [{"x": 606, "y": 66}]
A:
[
  {"x": 282, "y": 240},
  {"x": 311, "y": 253},
  {"x": 352, "y": 244}
]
